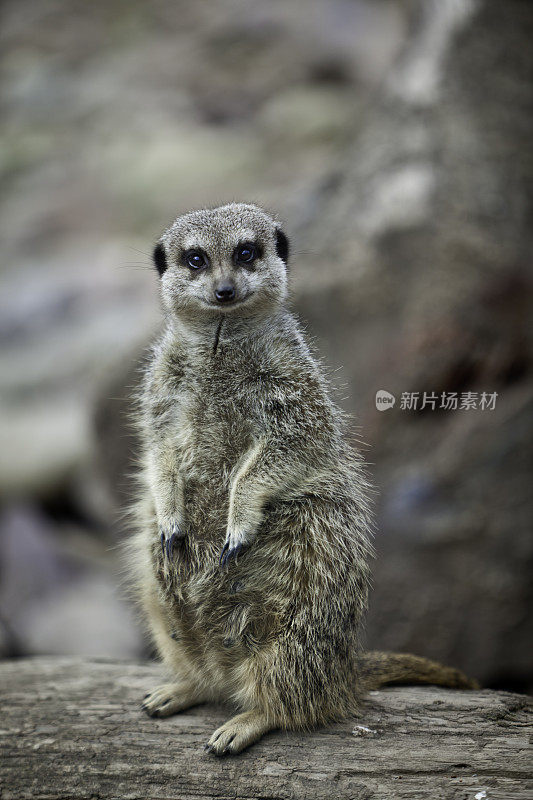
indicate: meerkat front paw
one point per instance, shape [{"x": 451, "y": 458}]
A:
[
  {"x": 170, "y": 533},
  {"x": 169, "y": 698},
  {"x": 234, "y": 544}
]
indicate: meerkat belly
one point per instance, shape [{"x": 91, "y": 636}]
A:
[
  {"x": 226, "y": 618},
  {"x": 219, "y": 621}
]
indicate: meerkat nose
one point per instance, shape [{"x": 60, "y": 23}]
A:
[{"x": 225, "y": 292}]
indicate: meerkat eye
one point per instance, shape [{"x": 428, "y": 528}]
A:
[
  {"x": 245, "y": 253},
  {"x": 195, "y": 260}
]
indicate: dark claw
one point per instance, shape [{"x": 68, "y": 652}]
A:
[
  {"x": 225, "y": 557},
  {"x": 168, "y": 543},
  {"x": 208, "y": 748},
  {"x": 226, "y": 749},
  {"x": 226, "y": 546}
]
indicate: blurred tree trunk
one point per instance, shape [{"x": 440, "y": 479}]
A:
[{"x": 418, "y": 279}]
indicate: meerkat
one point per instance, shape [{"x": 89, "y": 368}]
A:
[{"x": 254, "y": 536}]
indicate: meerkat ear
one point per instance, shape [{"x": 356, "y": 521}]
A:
[
  {"x": 282, "y": 245},
  {"x": 160, "y": 258}
]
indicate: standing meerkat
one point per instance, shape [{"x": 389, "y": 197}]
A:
[{"x": 253, "y": 541}]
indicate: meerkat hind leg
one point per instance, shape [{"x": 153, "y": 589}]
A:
[
  {"x": 238, "y": 732},
  {"x": 169, "y": 698}
]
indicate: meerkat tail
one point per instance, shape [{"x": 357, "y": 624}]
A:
[{"x": 378, "y": 669}]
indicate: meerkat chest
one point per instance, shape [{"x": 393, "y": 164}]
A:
[
  {"x": 181, "y": 431},
  {"x": 214, "y": 420}
]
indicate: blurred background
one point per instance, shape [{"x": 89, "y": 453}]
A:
[{"x": 394, "y": 139}]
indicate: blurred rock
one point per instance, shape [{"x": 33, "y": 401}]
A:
[
  {"x": 88, "y": 618},
  {"x": 59, "y": 592},
  {"x": 63, "y": 332},
  {"x": 309, "y": 114}
]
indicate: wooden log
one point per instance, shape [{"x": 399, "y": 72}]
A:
[{"x": 73, "y": 728}]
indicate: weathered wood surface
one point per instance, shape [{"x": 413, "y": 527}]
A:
[{"x": 74, "y": 729}]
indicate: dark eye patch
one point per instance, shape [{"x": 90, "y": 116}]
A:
[
  {"x": 246, "y": 253},
  {"x": 195, "y": 259}
]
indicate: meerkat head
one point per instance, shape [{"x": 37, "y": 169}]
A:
[{"x": 226, "y": 260}]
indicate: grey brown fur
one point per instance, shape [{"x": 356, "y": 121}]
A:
[{"x": 253, "y": 541}]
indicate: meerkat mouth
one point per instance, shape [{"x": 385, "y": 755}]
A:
[{"x": 239, "y": 301}]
